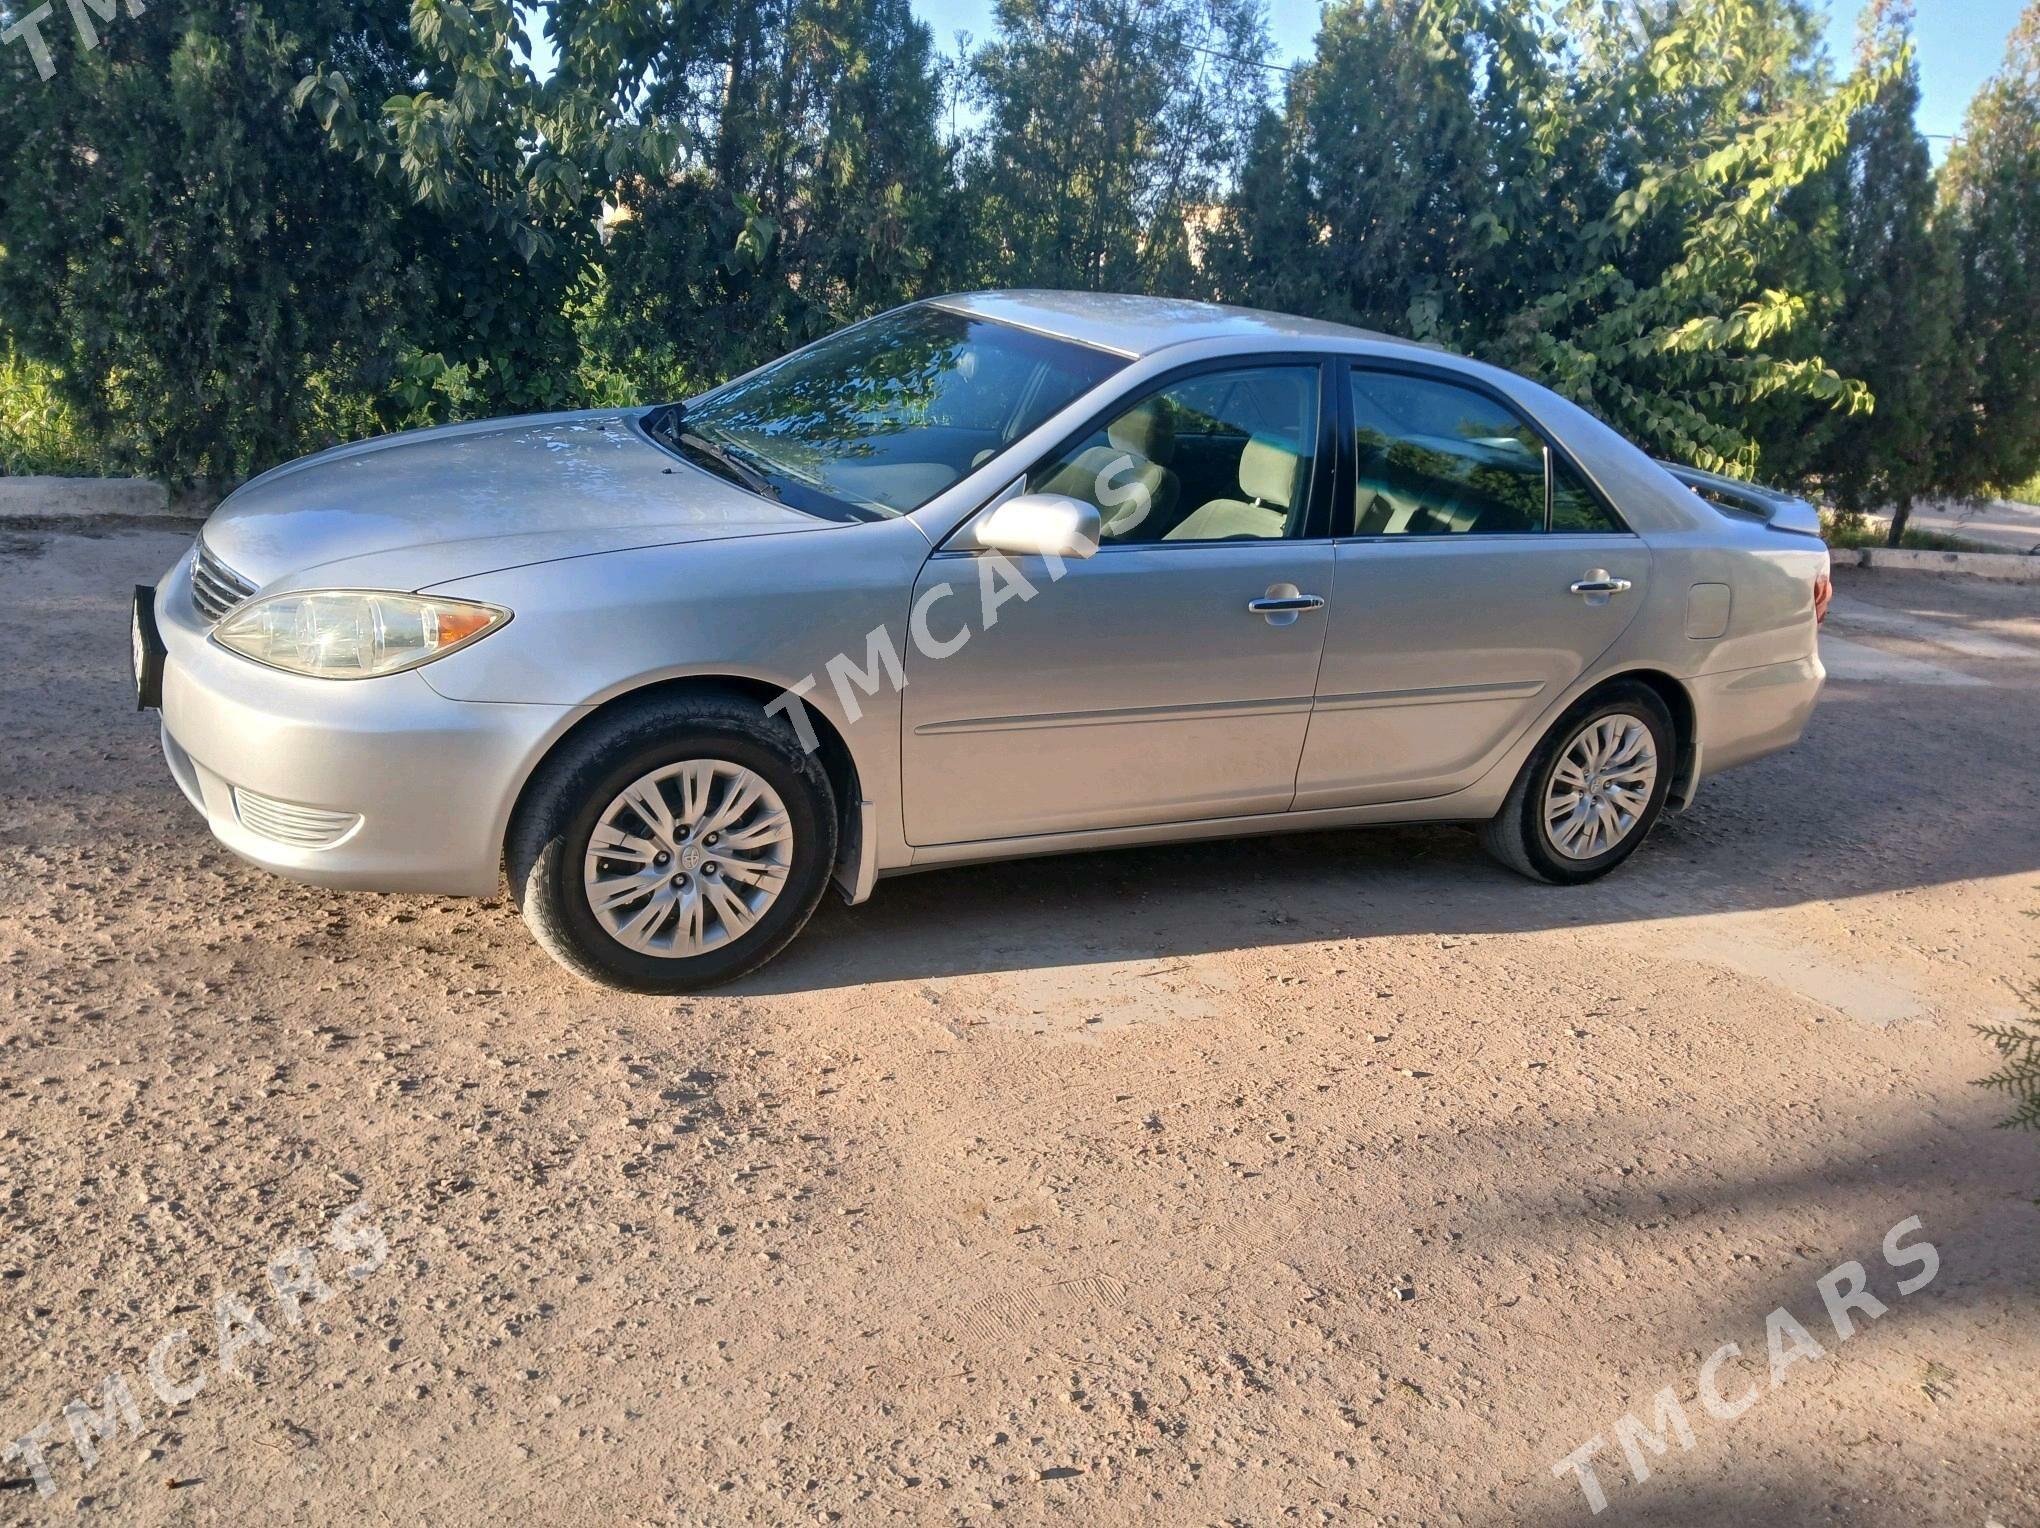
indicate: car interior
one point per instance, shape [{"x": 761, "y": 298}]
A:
[{"x": 1225, "y": 456}]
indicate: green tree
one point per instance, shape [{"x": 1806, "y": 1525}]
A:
[
  {"x": 215, "y": 289},
  {"x": 1109, "y": 131},
  {"x": 816, "y": 191},
  {"x": 1598, "y": 195},
  {"x": 1373, "y": 196},
  {"x": 507, "y": 168},
  {"x": 1992, "y": 192},
  {"x": 1894, "y": 325}
]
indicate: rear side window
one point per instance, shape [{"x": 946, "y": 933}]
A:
[
  {"x": 1432, "y": 458},
  {"x": 1574, "y": 506}
]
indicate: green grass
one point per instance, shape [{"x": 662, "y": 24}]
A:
[
  {"x": 1847, "y": 536},
  {"x": 38, "y": 433},
  {"x": 2027, "y": 492}
]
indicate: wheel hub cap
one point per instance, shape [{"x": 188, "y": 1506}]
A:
[
  {"x": 656, "y": 883},
  {"x": 1600, "y": 786}
]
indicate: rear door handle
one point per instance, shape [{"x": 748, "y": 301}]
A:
[
  {"x": 1286, "y": 602},
  {"x": 1601, "y": 583}
]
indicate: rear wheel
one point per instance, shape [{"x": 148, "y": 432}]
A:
[
  {"x": 675, "y": 845},
  {"x": 1590, "y": 793}
]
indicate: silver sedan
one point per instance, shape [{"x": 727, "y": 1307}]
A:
[{"x": 987, "y": 576}]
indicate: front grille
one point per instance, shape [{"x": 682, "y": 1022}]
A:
[
  {"x": 302, "y": 827},
  {"x": 216, "y": 589}
]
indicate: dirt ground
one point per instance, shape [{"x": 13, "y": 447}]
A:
[{"x": 1339, "y": 1178}]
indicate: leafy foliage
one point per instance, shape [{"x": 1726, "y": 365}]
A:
[
  {"x": 1991, "y": 187},
  {"x": 39, "y": 431},
  {"x": 1894, "y": 321},
  {"x": 1589, "y": 193},
  {"x": 235, "y": 232},
  {"x": 816, "y": 191},
  {"x": 1109, "y": 125},
  {"x": 2019, "y": 1078},
  {"x": 508, "y": 169},
  {"x": 213, "y": 290}
]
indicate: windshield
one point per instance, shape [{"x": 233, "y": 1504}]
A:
[{"x": 878, "y": 419}]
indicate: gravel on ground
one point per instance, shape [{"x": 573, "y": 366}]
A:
[{"x": 1331, "y": 1178}]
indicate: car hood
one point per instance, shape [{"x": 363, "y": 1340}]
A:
[{"x": 415, "y": 509}]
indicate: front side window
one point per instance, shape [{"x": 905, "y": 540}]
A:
[
  {"x": 1435, "y": 459},
  {"x": 1221, "y": 456},
  {"x": 878, "y": 419}
]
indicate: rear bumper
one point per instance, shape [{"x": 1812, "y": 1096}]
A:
[
  {"x": 1748, "y": 713},
  {"x": 375, "y": 784}
]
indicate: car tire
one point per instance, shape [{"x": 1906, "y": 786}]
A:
[
  {"x": 1529, "y": 833},
  {"x": 727, "y": 752}
]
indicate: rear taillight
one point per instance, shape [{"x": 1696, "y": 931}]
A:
[{"x": 1823, "y": 596}]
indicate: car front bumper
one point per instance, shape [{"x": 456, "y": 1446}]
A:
[{"x": 372, "y": 784}]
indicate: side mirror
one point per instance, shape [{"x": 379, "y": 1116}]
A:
[{"x": 1040, "y": 525}]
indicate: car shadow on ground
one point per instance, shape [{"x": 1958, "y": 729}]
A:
[{"x": 1860, "y": 806}]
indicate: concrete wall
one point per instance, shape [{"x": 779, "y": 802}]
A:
[
  {"x": 61, "y": 498},
  {"x": 2000, "y": 565}
]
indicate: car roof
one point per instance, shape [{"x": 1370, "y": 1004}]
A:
[{"x": 1136, "y": 326}]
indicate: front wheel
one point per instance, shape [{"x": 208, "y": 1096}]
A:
[
  {"x": 1591, "y": 792},
  {"x": 678, "y": 844}
]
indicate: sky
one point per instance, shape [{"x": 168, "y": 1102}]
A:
[{"x": 1961, "y": 43}]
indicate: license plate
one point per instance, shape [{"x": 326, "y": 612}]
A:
[{"x": 145, "y": 650}]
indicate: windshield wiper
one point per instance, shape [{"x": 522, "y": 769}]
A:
[
  {"x": 663, "y": 423},
  {"x": 733, "y": 465},
  {"x": 667, "y": 425}
]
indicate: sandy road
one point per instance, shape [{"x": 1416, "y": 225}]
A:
[{"x": 1340, "y": 1178}]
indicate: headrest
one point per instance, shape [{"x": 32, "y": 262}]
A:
[
  {"x": 1268, "y": 471},
  {"x": 1146, "y": 431}
]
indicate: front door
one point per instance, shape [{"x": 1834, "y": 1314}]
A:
[{"x": 1141, "y": 686}]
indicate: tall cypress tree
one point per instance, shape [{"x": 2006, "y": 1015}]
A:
[
  {"x": 816, "y": 190},
  {"x": 1894, "y": 328},
  {"x": 1110, "y": 129},
  {"x": 1373, "y": 197},
  {"x": 1993, "y": 193}
]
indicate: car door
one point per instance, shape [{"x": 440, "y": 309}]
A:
[
  {"x": 1139, "y": 685},
  {"x": 1479, "y": 574}
]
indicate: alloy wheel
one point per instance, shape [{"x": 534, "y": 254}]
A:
[{"x": 1600, "y": 787}]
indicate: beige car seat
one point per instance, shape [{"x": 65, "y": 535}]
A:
[
  {"x": 1269, "y": 477},
  {"x": 1128, "y": 478}
]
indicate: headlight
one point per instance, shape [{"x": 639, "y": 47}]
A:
[{"x": 351, "y": 634}]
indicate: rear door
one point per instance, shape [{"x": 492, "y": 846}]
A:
[{"x": 1479, "y": 574}]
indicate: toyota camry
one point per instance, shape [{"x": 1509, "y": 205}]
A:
[{"x": 986, "y": 576}]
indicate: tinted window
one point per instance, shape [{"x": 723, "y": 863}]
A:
[
  {"x": 1222, "y": 456},
  {"x": 1436, "y": 459},
  {"x": 884, "y": 415},
  {"x": 1573, "y": 505}
]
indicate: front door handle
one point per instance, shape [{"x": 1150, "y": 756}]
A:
[
  {"x": 1286, "y": 602},
  {"x": 1283, "y": 603},
  {"x": 1598, "y": 582}
]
